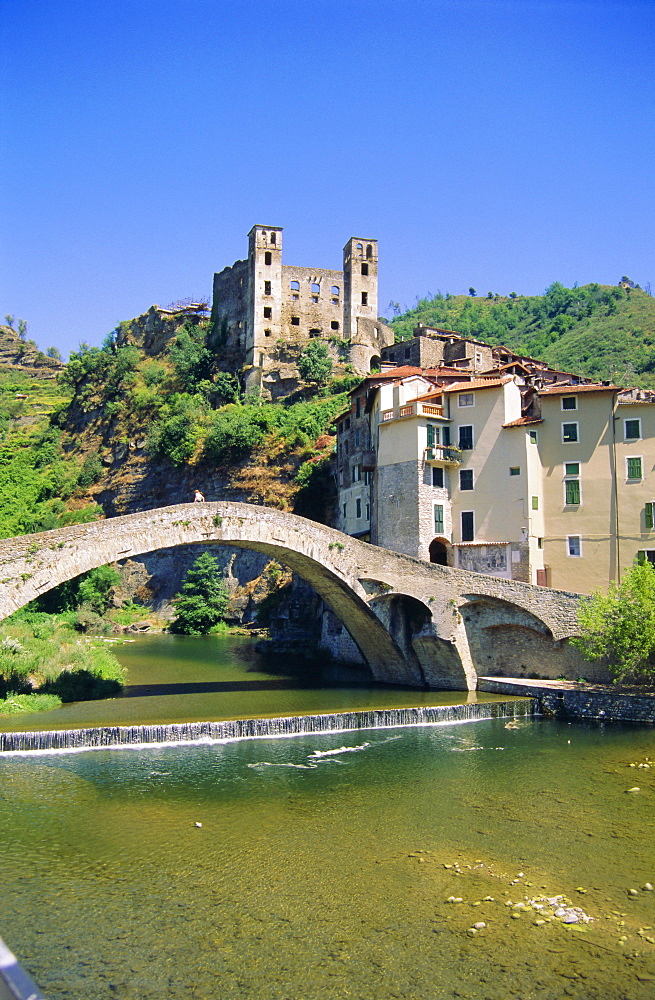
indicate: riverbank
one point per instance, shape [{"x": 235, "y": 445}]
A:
[{"x": 574, "y": 700}]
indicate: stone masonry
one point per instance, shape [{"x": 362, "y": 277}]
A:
[{"x": 413, "y": 622}]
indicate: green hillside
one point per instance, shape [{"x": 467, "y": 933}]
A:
[{"x": 600, "y": 331}]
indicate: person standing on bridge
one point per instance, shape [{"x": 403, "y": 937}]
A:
[{"x": 198, "y": 497}]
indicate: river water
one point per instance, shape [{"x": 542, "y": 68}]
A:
[{"x": 316, "y": 867}]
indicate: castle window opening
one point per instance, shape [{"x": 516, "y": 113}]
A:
[
  {"x": 358, "y": 406},
  {"x": 267, "y": 333},
  {"x": 314, "y": 332},
  {"x": 294, "y": 286},
  {"x": 364, "y": 298},
  {"x": 273, "y": 238},
  {"x": 365, "y": 269},
  {"x": 295, "y": 296},
  {"x": 360, "y": 249},
  {"x": 334, "y": 290},
  {"x": 369, "y": 251},
  {"x": 268, "y": 312},
  {"x": 268, "y": 257},
  {"x": 314, "y": 298},
  {"x": 315, "y": 288},
  {"x": 267, "y": 288},
  {"x": 334, "y": 325},
  {"x": 295, "y": 321}
]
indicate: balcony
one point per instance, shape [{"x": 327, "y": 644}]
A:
[
  {"x": 413, "y": 409},
  {"x": 442, "y": 454}
]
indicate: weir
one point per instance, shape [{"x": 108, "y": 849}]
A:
[{"x": 106, "y": 737}]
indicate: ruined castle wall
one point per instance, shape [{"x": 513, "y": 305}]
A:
[{"x": 230, "y": 309}]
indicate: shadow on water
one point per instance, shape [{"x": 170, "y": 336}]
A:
[{"x": 219, "y": 687}]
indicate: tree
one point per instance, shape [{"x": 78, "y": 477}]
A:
[
  {"x": 620, "y": 625},
  {"x": 315, "y": 363},
  {"x": 9, "y": 320},
  {"x": 22, "y": 329},
  {"x": 472, "y": 291},
  {"x": 203, "y": 600},
  {"x": 53, "y": 352}
]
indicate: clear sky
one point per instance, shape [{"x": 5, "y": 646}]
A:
[{"x": 503, "y": 144}]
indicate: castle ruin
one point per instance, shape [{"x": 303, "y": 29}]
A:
[{"x": 267, "y": 312}]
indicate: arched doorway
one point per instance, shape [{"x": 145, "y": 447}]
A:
[{"x": 439, "y": 551}]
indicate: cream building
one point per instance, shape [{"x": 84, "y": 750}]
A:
[{"x": 550, "y": 485}]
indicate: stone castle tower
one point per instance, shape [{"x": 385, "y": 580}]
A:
[{"x": 268, "y": 311}]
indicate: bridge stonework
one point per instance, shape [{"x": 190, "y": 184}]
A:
[{"x": 415, "y": 623}]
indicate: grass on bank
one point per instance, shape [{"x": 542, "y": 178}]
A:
[{"x": 44, "y": 662}]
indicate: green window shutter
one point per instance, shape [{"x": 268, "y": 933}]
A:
[
  {"x": 438, "y": 518},
  {"x": 535, "y": 503},
  {"x": 430, "y": 436},
  {"x": 634, "y": 468},
  {"x": 572, "y": 491},
  {"x": 649, "y": 515}
]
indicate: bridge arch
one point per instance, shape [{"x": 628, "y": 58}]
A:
[{"x": 444, "y": 610}]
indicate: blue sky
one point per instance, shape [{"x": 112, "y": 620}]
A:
[{"x": 503, "y": 144}]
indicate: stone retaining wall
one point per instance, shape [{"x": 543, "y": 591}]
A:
[{"x": 571, "y": 701}]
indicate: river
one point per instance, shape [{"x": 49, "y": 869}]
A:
[{"x": 316, "y": 867}]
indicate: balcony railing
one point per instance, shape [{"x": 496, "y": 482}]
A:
[
  {"x": 443, "y": 454},
  {"x": 413, "y": 409}
]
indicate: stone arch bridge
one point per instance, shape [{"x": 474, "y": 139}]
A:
[{"x": 415, "y": 623}]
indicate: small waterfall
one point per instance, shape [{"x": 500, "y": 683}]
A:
[{"x": 243, "y": 729}]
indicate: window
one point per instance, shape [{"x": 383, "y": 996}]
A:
[
  {"x": 357, "y": 473},
  {"x": 535, "y": 503},
  {"x": 465, "y": 399},
  {"x": 571, "y": 468},
  {"x": 368, "y": 477},
  {"x": 369, "y": 251},
  {"x": 364, "y": 298},
  {"x": 468, "y": 533},
  {"x": 465, "y": 437},
  {"x": 572, "y": 492},
  {"x": 407, "y": 352},
  {"x": 569, "y": 433},
  {"x": 294, "y": 286},
  {"x": 314, "y": 332},
  {"x": 267, "y": 288},
  {"x": 347, "y": 423},
  {"x": 295, "y": 321},
  {"x": 540, "y": 543},
  {"x": 334, "y": 324},
  {"x": 438, "y": 518},
  {"x": 466, "y": 479},
  {"x": 633, "y": 468},
  {"x": 569, "y": 402},
  {"x": 273, "y": 238},
  {"x": 574, "y": 545},
  {"x": 646, "y": 555},
  {"x": 368, "y": 512},
  {"x": 532, "y": 437},
  {"x": 315, "y": 288},
  {"x": 433, "y": 435},
  {"x": 365, "y": 269},
  {"x": 360, "y": 249},
  {"x": 632, "y": 429},
  {"x": 358, "y": 406},
  {"x": 437, "y": 476},
  {"x": 334, "y": 290},
  {"x": 267, "y": 333},
  {"x": 344, "y": 510},
  {"x": 358, "y": 508},
  {"x": 268, "y": 312},
  {"x": 649, "y": 516},
  {"x": 515, "y": 470},
  {"x": 268, "y": 257}
]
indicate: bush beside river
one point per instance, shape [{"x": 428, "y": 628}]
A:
[{"x": 44, "y": 662}]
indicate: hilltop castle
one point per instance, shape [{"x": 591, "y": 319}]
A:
[{"x": 268, "y": 311}]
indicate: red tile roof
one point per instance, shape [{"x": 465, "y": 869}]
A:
[
  {"x": 523, "y": 421},
  {"x": 478, "y": 383},
  {"x": 572, "y": 390}
]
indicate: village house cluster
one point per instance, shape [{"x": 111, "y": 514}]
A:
[{"x": 474, "y": 457}]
